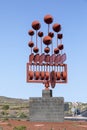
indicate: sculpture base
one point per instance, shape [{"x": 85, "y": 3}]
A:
[{"x": 47, "y": 108}]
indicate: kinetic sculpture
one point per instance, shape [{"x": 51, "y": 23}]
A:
[{"x": 46, "y": 61}]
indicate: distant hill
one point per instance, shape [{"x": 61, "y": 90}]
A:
[
  {"x": 17, "y": 107},
  {"x": 4, "y": 99}
]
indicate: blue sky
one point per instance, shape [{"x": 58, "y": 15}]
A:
[{"x": 16, "y": 17}]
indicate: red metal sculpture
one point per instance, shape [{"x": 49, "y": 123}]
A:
[{"x": 46, "y": 61}]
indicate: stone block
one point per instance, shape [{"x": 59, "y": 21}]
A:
[{"x": 46, "y": 108}]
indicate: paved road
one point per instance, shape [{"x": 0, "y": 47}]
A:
[{"x": 76, "y": 118}]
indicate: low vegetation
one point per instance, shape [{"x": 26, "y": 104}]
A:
[
  {"x": 13, "y": 108},
  {"x": 19, "y": 108},
  {"x": 20, "y": 128}
]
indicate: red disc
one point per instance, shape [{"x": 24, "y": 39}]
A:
[
  {"x": 37, "y": 75},
  {"x": 47, "y": 50},
  {"x": 51, "y": 34},
  {"x": 58, "y": 75},
  {"x": 40, "y": 34},
  {"x": 56, "y": 27},
  {"x": 36, "y": 25},
  {"x": 47, "y": 40},
  {"x": 35, "y": 49},
  {"x": 60, "y": 46},
  {"x": 47, "y": 75},
  {"x": 42, "y": 75},
  {"x": 56, "y": 50},
  {"x": 30, "y": 44},
  {"x": 48, "y": 19},
  {"x": 31, "y": 32},
  {"x": 63, "y": 75},
  {"x": 31, "y": 74},
  {"x": 53, "y": 78},
  {"x": 60, "y": 36}
]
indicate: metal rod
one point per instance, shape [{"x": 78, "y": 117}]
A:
[
  {"x": 36, "y": 38},
  {"x": 57, "y": 39},
  {"x": 48, "y": 28},
  {"x": 41, "y": 45}
]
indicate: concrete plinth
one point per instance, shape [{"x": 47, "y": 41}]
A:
[{"x": 47, "y": 108}]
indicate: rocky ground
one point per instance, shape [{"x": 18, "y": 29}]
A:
[{"x": 66, "y": 125}]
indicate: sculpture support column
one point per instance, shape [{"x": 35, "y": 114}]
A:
[{"x": 47, "y": 108}]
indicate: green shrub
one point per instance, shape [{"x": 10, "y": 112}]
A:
[
  {"x": 3, "y": 113},
  {"x": 5, "y": 118},
  {"x": 22, "y": 115},
  {"x": 20, "y": 128},
  {"x": 5, "y": 107}
]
